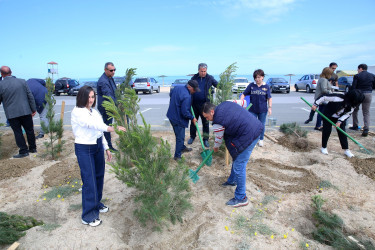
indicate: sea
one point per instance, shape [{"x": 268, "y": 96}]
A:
[{"x": 168, "y": 80}]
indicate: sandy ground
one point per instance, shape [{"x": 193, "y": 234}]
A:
[{"x": 281, "y": 179}]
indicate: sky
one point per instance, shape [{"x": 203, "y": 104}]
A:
[{"x": 172, "y": 37}]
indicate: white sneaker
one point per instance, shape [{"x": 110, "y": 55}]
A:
[
  {"x": 260, "y": 143},
  {"x": 348, "y": 153},
  {"x": 104, "y": 209},
  {"x": 324, "y": 151},
  {"x": 93, "y": 223}
]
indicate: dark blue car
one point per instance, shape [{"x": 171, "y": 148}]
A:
[
  {"x": 345, "y": 82},
  {"x": 179, "y": 82}
]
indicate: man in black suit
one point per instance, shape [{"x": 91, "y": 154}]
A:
[
  {"x": 19, "y": 107},
  {"x": 364, "y": 82}
]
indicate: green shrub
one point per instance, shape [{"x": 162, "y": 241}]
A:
[{"x": 12, "y": 227}]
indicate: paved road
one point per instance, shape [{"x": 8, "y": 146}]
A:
[{"x": 286, "y": 108}]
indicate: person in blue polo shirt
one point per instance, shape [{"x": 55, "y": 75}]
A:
[
  {"x": 179, "y": 114},
  {"x": 260, "y": 94}
]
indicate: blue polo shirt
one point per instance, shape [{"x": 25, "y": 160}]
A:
[{"x": 258, "y": 97}]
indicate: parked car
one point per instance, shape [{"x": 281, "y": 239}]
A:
[
  {"x": 345, "y": 82},
  {"x": 118, "y": 80},
  {"x": 65, "y": 85},
  {"x": 179, "y": 82},
  {"x": 92, "y": 84},
  {"x": 146, "y": 85},
  {"x": 239, "y": 84},
  {"x": 307, "y": 82},
  {"x": 278, "y": 85}
]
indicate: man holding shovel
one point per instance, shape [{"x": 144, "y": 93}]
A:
[
  {"x": 179, "y": 114},
  {"x": 240, "y": 130}
]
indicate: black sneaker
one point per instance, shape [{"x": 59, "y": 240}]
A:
[
  {"x": 226, "y": 184},
  {"x": 307, "y": 121},
  {"x": 190, "y": 141},
  {"x": 21, "y": 155},
  {"x": 186, "y": 150},
  {"x": 39, "y": 136},
  {"x": 365, "y": 132},
  {"x": 206, "y": 144},
  {"x": 32, "y": 150},
  {"x": 237, "y": 203},
  {"x": 354, "y": 128},
  {"x": 176, "y": 158}
]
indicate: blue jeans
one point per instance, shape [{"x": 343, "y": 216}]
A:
[
  {"x": 262, "y": 118},
  {"x": 238, "y": 172},
  {"x": 179, "y": 132},
  {"x": 92, "y": 164}
]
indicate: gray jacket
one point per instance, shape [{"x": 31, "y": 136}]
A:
[
  {"x": 323, "y": 87},
  {"x": 16, "y": 97}
]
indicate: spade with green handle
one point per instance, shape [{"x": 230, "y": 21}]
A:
[
  {"x": 342, "y": 131},
  {"x": 205, "y": 151},
  {"x": 194, "y": 174}
]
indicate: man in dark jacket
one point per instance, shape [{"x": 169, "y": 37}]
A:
[
  {"x": 205, "y": 82},
  {"x": 179, "y": 114},
  {"x": 19, "y": 108},
  {"x": 241, "y": 131},
  {"x": 106, "y": 87},
  {"x": 39, "y": 91},
  {"x": 364, "y": 82}
]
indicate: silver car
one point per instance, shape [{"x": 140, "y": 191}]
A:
[
  {"x": 146, "y": 85},
  {"x": 307, "y": 82}
]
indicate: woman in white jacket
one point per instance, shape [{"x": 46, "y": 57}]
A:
[{"x": 88, "y": 128}]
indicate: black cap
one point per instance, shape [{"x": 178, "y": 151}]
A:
[{"x": 194, "y": 84}]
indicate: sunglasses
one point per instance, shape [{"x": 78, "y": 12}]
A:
[{"x": 111, "y": 70}]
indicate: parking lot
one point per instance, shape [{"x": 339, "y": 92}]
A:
[{"x": 286, "y": 108}]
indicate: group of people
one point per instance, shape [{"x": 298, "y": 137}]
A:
[
  {"x": 338, "y": 108},
  {"x": 20, "y": 106},
  {"x": 243, "y": 130}
]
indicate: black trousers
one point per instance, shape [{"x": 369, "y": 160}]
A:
[
  {"x": 327, "y": 129},
  {"x": 26, "y": 122},
  {"x": 193, "y": 129},
  {"x": 107, "y": 135}
]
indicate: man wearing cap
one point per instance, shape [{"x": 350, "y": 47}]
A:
[{"x": 179, "y": 114}]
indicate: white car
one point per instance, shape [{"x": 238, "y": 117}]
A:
[
  {"x": 239, "y": 84},
  {"x": 146, "y": 85}
]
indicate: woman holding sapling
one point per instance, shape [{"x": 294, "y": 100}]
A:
[{"x": 90, "y": 144}]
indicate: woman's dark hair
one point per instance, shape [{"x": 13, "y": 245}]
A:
[
  {"x": 83, "y": 97},
  {"x": 353, "y": 98},
  {"x": 258, "y": 72}
]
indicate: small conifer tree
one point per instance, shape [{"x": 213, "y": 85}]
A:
[
  {"x": 13, "y": 227},
  {"x": 225, "y": 85},
  {"x": 55, "y": 128},
  {"x": 143, "y": 162}
]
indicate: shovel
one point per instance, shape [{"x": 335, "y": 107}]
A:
[
  {"x": 205, "y": 151},
  {"x": 193, "y": 174},
  {"x": 342, "y": 131}
]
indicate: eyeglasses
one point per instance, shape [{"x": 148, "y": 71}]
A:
[{"x": 111, "y": 70}]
